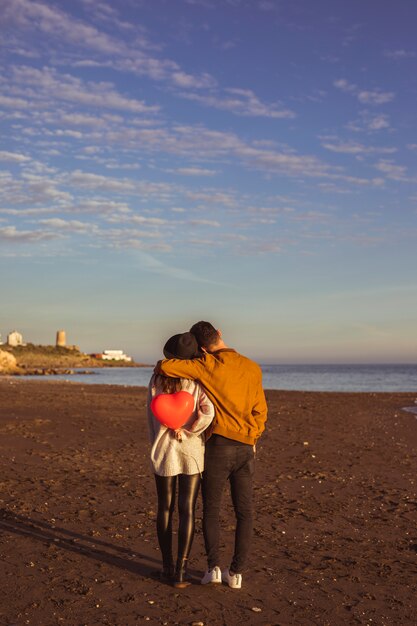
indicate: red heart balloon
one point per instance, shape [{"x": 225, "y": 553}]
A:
[{"x": 173, "y": 409}]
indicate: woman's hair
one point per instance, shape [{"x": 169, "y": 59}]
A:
[{"x": 167, "y": 384}]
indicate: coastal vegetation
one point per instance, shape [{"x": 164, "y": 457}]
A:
[{"x": 39, "y": 359}]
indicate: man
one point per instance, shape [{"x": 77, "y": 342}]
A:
[{"x": 234, "y": 385}]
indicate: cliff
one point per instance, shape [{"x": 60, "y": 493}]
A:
[
  {"x": 8, "y": 363},
  {"x": 31, "y": 359}
]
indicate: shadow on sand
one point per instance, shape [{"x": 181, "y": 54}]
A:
[{"x": 63, "y": 539}]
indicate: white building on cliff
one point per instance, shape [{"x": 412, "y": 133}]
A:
[
  {"x": 15, "y": 339},
  {"x": 115, "y": 355}
]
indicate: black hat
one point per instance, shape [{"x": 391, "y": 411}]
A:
[{"x": 182, "y": 346}]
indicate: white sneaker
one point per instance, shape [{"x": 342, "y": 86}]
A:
[
  {"x": 233, "y": 580},
  {"x": 212, "y": 576}
]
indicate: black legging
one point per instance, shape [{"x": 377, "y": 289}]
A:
[{"x": 188, "y": 486}]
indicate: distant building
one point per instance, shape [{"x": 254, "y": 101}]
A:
[
  {"x": 61, "y": 339},
  {"x": 113, "y": 355},
  {"x": 15, "y": 339}
]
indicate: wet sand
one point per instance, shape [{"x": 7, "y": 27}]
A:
[{"x": 335, "y": 527}]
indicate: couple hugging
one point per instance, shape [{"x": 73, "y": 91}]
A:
[{"x": 216, "y": 443}]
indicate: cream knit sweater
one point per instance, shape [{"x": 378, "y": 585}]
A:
[{"x": 169, "y": 456}]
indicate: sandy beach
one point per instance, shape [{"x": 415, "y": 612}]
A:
[{"x": 335, "y": 529}]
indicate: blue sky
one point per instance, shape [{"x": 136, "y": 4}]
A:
[{"x": 249, "y": 162}]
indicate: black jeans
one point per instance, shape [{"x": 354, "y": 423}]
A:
[{"x": 228, "y": 460}]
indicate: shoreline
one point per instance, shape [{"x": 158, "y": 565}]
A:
[
  {"x": 385, "y": 379},
  {"x": 52, "y": 378},
  {"x": 49, "y": 370},
  {"x": 334, "y": 539}
]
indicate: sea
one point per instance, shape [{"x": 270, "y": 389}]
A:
[{"x": 365, "y": 378}]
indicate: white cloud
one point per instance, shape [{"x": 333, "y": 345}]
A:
[
  {"x": 47, "y": 83},
  {"x": 369, "y": 122},
  {"x": 162, "y": 192},
  {"x": 52, "y": 21},
  {"x": 211, "y": 197},
  {"x": 378, "y": 122},
  {"x": 330, "y": 58},
  {"x": 13, "y": 157},
  {"x": 189, "y": 81},
  {"x": 227, "y": 45},
  {"x": 363, "y": 182},
  {"x": 241, "y": 102},
  {"x": 142, "y": 190},
  {"x": 290, "y": 164},
  {"x": 213, "y": 223},
  {"x": 235, "y": 237},
  {"x": 138, "y": 244},
  {"x": 27, "y": 212},
  {"x": 375, "y": 96},
  {"x": 399, "y": 54},
  {"x": 101, "y": 206},
  {"x": 126, "y": 210},
  {"x": 126, "y": 56},
  {"x": 140, "y": 62},
  {"x": 208, "y": 4},
  {"x": 11, "y": 234},
  {"x": 356, "y": 148},
  {"x": 135, "y": 239},
  {"x": 86, "y": 180},
  {"x": 333, "y": 188},
  {"x": 108, "y": 14},
  {"x": 199, "y": 242},
  {"x": 345, "y": 86},
  {"x": 32, "y": 189},
  {"x": 274, "y": 211},
  {"x": 312, "y": 216},
  {"x": 68, "y": 226},
  {"x": 82, "y": 119},
  {"x": 195, "y": 171},
  {"x": 14, "y": 103},
  {"x": 393, "y": 171},
  {"x": 199, "y": 142},
  {"x": 153, "y": 221},
  {"x": 267, "y": 5},
  {"x": 74, "y": 134}
]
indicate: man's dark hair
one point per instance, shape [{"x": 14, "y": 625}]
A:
[{"x": 205, "y": 333}]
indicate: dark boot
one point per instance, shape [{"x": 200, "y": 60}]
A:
[
  {"x": 180, "y": 577},
  {"x": 166, "y": 575}
]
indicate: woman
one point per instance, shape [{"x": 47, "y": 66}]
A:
[{"x": 177, "y": 458}]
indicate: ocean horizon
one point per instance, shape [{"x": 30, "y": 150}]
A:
[{"x": 311, "y": 377}]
